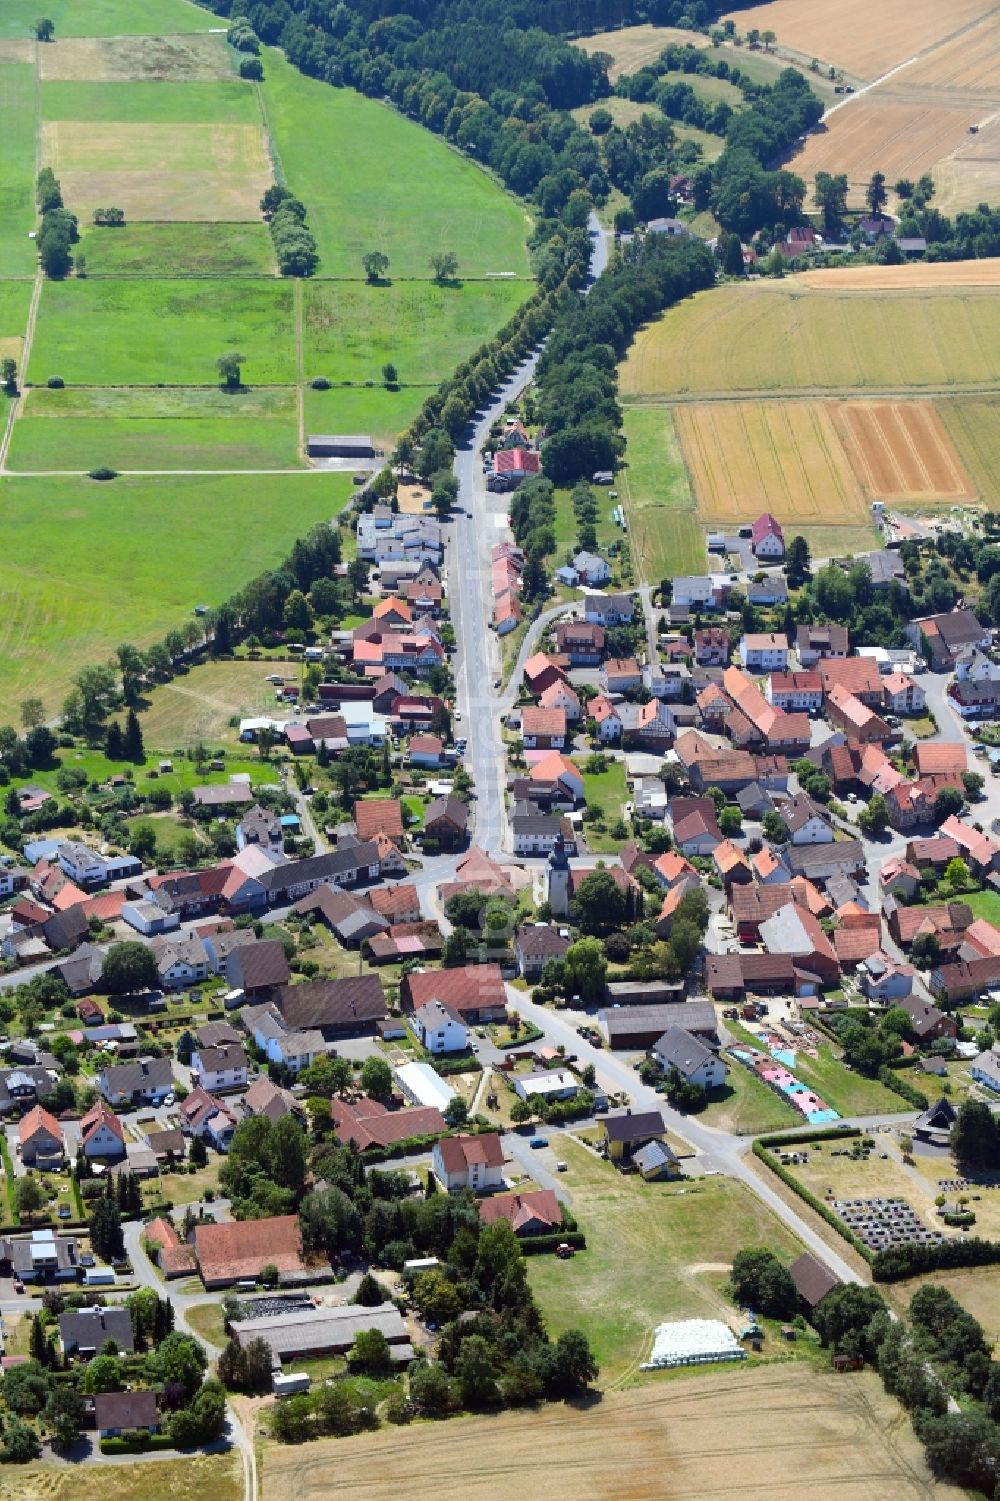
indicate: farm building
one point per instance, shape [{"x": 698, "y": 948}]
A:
[
  {"x": 812, "y": 1281},
  {"x": 304, "y": 1333},
  {"x": 340, "y": 446}
]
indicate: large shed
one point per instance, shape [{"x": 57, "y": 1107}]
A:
[{"x": 340, "y": 446}]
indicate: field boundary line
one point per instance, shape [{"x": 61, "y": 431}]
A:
[
  {"x": 36, "y": 289},
  {"x": 812, "y": 393},
  {"x": 300, "y": 412}
]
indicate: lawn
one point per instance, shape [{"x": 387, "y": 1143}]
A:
[
  {"x": 206, "y": 1319},
  {"x": 169, "y": 832},
  {"x": 667, "y": 538},
  {"x": 17, "y": 181},
  {"x": 107, "y": 333},
  {"x": 605, "y": 790},
  {"x": 184, "y": 775},
  {"x": 432, "y": 199},
  {"x": 566, "y": 526},
  {"x": 985, "y": 904},
  {"x": 351, "y": 329},
  {"x": 229, "y": 101},
  {"x": 654, "y": 1252},
  {"x": 81, "y": 575},
  {"x": 158, "y": 250},
  {"x": 106, "y": 17},
  {"x": 145, "y": 428},
  {"x": 190, "y": 1478},
  {"x": 745, "y": 1106}
]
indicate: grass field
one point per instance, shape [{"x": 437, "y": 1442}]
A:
[
  {"x": 106, "y": 17},
  {"x": 985, "y": 904},
  {"x": 160, "y": 171},
  {"x": 863, "y": 40},
  {"x": 15, "y": 298},
  {"x": 351, "y": 329},
  {"x": 634, "y": 46},
  {"x": 654, "y": 1252},
  {"x": 199, "y": 704},
  {"x": 206, "y": 1319},
  {"x": 143, "y": 428},
  {"x": 622, "y": 111},
  {"x": 129, "y": 59},
  {"x": 663, "y": 528},
  {"x": 223, "y": 101},
  {"x": 733, "y": 1435},
  {"x": 81, "y": 575},
  {"x": 158, "y": 250},
  {"x": 190, "y": 1478},
  {"x": 787, "y": 336},
  {"x": 714, "y": 90},
  {"x": 171, "y": 332},
  {"x": 361, "y": 409},
  {"x": 17, "y": 181},
  {"x": 362, "y": 206},
  {"x": 849, "y": 1093},
  {"x": 976, "y": 1290},
  {"x": 971, "y": 175}
]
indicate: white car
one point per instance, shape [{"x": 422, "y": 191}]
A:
[{"x": 168, "y": 1099}]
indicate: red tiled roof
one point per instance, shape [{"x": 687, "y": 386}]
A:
[
  {"x": 935, "y": 758},
  {"x": 37, "y": 1120},
  {"x": 378, "y": 815},
  {"x": 461, "y": 1152},
  {"x": 372, "y": 1126},
  {"x": 521, "y": 1210},
  {"x": 242, "y": 1248}
]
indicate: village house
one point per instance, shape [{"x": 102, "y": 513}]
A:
[
  {"x": 764, "y": 651},
  {"x": 543, "y": 729},
  {"x": 767, "y": 538},
  {"x": 473, "y": 1162},
  {"x": 679, "y": 1052},
  {"x": 813, "y": 642},
  {"x": 439, "y": 1029}
]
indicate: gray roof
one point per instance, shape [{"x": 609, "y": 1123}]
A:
[
  {"x": 818, "y": 861},
  {"x": 634, "y": 1124},
  {"x": 141, "y": 1076},
  {"x": 320, "y": 1329},
  {"x": 88, "y": 1329},
  {"x": 125, "y": 1410},
  {"x": 692, "y": 1016},
  {"x": 677, "y": 1049},
  {"x": 655, "y": 1154}
]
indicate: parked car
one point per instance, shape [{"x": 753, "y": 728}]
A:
[{"x": 537, "y": 1142}]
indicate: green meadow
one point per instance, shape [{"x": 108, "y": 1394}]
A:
[
  {"x": 17, "y": 176},
  {"x": 15, "y": 299},
  {"x": 363, "y": 409},
  {"x": 666, "y": 536},
  {"x": 88, "y": 565},
  {"x": 352, "y": 329},
  {"x": 106, "y": 17},
  {"x": 158, "y": 250},
  {"x": 145, "y": 428},
  {"x": 153, "y": 102},
  {"x": 107, "y": 333},
  {"x": 372, "y": 180}
]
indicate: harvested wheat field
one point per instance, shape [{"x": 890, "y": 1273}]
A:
[
  {"x": 909, "y": 278},
  {"x": 900, "y": 450},
  {"x": 747, "y": 1434},
  {"x": 761, "y": 337},
  {"x": 971, "y": 175},
  {"x": 970, "y": 61},
  {"x": 121, "y": 59},
  {"x": 864, "y": 39},
  {"x": 635, "y": 46},
  {"x": 882, "y": 134},
  {"x": 745, "y": 457}
]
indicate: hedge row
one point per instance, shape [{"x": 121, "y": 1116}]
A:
[
  {"x": 810, "y": 1198},
  {"x": 828, "y": 1133},
  {"x": 536, "y": 1245},
  {"x": 900, "y": 1262},
  {"x": 890, "y": 1079},
  {"x": 466, "y": 1064},
  {"x": 136, "y": 1443}
]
